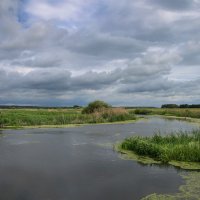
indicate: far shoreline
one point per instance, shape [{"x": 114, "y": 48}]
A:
[{"x": 66, "y": 125}]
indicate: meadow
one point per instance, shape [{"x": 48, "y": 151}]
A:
[
  {"x": 20, "y": 117},
  {"x": 38, "y": 117}
]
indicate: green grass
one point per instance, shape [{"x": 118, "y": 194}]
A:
[
  {"x": 182, "y": 146},
  {"x": 40, "y": 117},
  {"x": 178, "y": 112}
]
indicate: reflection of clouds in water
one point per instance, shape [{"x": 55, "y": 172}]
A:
[
  {"x": 105, "y": 145},
  {"x": 79, "y": 144},
  {"x": 19, "y": 139},
  {"x": 21, "y": 142}
]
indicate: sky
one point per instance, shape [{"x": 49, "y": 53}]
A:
[{"x": 127, "y": 53}]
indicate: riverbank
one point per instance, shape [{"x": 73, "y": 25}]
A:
[
  {"x": 187, "y": 119},
  {"x": 67, "y": 125},
  {"x": 145, "y": 160},
  {"x": 54, "y": 118}
]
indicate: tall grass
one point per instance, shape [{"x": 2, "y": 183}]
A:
[
  {"x": 112, "y": 115},
  {"x": 181, "y": 146},
  {"x": 32, "y": 117}
]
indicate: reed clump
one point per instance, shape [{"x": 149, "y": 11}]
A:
[
  {"x": 180, "y": 146},
  {"x": 111, "y": 115}
]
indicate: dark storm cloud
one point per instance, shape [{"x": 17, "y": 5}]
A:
[
  {"x": 61, "y": 80},
  {"x": 174, "y": 4}
]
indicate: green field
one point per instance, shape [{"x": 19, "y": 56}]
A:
[{"x": 40, "y": 117}]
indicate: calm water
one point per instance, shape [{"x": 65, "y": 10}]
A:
[{"x": 80, "y": 164}]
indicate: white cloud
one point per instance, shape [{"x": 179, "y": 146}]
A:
[{"x": 62, "y": 10}]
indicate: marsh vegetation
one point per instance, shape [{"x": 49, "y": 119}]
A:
[
  {"x": 97, "y": 112},
  {"x": 178, "y": 112},
  {"x": 180, "y": 146}
]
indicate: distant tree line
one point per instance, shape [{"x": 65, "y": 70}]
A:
[
  {"x": 180, "y": 106},
  {"x": 37, "y": 107}
]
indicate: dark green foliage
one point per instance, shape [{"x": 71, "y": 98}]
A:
[
  {"x": 180, "y": 106},
  {"x": 95, "y": 106},
  {"x": 169, "y": 106},
  {"x": 184, "y": 106},
  {"x": 143, "y": 111},
  {"x": 3, "y": 121},
  {"x": 182, "y": 146},
  {"x": 76, "y": 106},
  {"x": 141, "y": 147}
]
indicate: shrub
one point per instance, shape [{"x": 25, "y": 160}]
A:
[{"x": 95, "y": 106}]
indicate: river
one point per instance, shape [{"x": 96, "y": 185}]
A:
[{"x": 80, "y": 164}]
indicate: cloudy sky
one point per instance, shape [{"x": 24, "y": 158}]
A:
[{"x": 128, "y": 52}]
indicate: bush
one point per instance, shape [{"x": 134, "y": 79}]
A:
[{"x": 95, "y": 106}]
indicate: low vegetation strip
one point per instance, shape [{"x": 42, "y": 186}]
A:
[
  {"x": 178, "y": 112},
  {"x": 181, "y": 146},
  {"x": 40, "y": 117}
]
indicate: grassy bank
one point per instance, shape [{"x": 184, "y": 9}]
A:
[
  {"x": 180, "y": 149},
  {"x": 49, "y": 117},
  {"x": 178, "y": 112}
]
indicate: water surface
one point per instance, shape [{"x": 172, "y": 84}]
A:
[{"x": 80, "y": 163}]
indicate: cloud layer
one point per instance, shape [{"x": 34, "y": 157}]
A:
[{"x": 127, "y": 53}]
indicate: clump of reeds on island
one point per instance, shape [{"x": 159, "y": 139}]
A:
[{"x": 179, "y": 146}]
